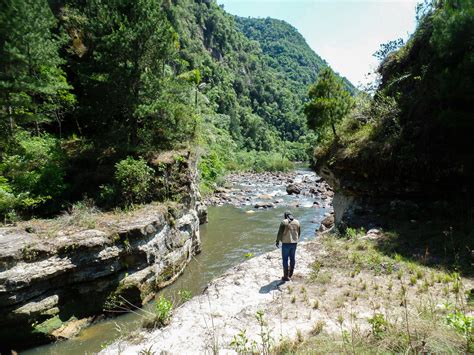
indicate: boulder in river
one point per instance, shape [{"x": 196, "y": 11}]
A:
[
  {"x": 293, "y": 189},
  {"x": 326, "y": 223},
  {"x": 72, "y": 328},
  {"x": 265, "y": 204},
  {"x": 201, "y": 210}
]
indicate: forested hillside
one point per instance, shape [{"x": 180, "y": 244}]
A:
[
  {"x": 286, "y": 51},
  {"x": 92, "y": 91}
]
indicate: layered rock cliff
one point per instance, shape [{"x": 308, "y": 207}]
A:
[{"x": 55, "y": 272}]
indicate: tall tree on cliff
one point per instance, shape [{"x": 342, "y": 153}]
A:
[
  {"x": 33, "y": 87},
  {"x": 130, "y": 89},
  {"x": 329, "y": 102}
]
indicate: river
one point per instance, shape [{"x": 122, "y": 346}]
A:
[{"x": 231, "y": 234}]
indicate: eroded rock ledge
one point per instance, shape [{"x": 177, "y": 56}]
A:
[
  {"x": 59, "y": 274},
  {"x": 47, "y": 281}
]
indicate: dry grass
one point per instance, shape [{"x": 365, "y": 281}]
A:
[
  {"x": 85, "y": 215},
  {"x": 374, "y": 303}
]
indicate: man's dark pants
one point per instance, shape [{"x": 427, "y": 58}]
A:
[{"x": 288, "y": 251}]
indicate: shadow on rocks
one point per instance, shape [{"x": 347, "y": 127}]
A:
[{"x": 272, "y": 286}]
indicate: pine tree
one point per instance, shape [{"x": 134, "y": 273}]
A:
[
  {"x": 33, "y": 87},
  {"x": 329, "y": 102},
  {"x": 124, "y": 71}
]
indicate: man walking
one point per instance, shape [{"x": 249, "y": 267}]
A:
[{"x": 288, "y": 234}]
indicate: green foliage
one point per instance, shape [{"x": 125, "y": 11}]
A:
[
  {"x": 417, "y": 129},
  {"x": 133, "y": 177},
  {"x": 463, "y": 324},
  {"x": 33, "y": 87},
  {"x": 241, "y": 343},
  {"x": 387, "y": 48},
  {"x": 431, "y": 78},
  {"x": 211, "y": 168},
  {"x": 48, "y": 326},
  {"x": 32, "y": 173},
  {"x": 128, "y": 44},
  {"x": 163, "y": 309},
  {"x": 85, "y": 84},
  {"x": 329, "y": 102},
  {"x": 260, "y": 161},
  {"x": 185, "y": 295},
  {"x": 286, "y": 50},
  {"x": 379, "y": 324},
  {"x": 265, "y": 333}
]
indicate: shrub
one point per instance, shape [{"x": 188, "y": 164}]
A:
[
  {"x": 211, "y": 168},
  {"x": 378, "y": 324},
  {"x": 133, "y": 177},
  {"x": 271, "y": 162},
  {"x": 185, "y": 295},
  {"x": 163, "y": 310},
  {"x": 161, "y": 315},
  {"x": 464, "y": 324},
  {"x": 32, "y": 173},
  {"x": 107, "y": 195},
  {"x": 260, "y": 161}
]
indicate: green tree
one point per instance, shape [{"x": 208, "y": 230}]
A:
[
  {"x": 33, "y": 87},
  {"x": 125, "y": 70},
  {"x": 329, "y": 102},
  {"x": 32, "y": 174},
  {"x": 134, "y": 178}
]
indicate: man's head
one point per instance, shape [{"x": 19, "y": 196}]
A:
[{"x": 288, "y": 216}]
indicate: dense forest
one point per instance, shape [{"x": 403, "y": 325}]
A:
[
  {"x": 91, "y": 91},
  {"x": 286, "y": 51}
]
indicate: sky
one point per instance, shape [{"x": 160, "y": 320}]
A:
[{"x": 343, "y": 32}]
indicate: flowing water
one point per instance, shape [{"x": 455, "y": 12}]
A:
[{"x": 230, "y": 234}]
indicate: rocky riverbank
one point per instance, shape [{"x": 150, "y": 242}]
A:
[
  {"x": 268, "y": 189},
  {"x": 258, "y": 191},
  {"x": 334, "y": 297},
  {"x": 209, "y": 322}
]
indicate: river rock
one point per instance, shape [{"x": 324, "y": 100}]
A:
[
  {"x": 326, "y": 223},
  {"x": 264, "y": 205},
  {"x": 293, "y": 189},
  {"x": 71, "y": 329},
  {"x": 330, "y": 193},
  {"x": 201, "y": 210},
  {"x": 83, "y": 271}
]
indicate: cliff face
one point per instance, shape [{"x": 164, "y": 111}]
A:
[
  {"x": 54, "y": 272},
  {"x": 413, "y": 140}
]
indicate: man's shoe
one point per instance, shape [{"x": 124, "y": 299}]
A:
[
  {"x": 290, "y": 272},
  {"x": 285, "y": 275}
]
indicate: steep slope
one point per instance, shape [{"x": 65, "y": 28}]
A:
[
  {"x": 416, "y": 137},
  {"x": 404, "y": 161},
  {"x": 133, "y": 79},
  {"x": 286, "y": 51},
  {"x": 239, "y": 82}
]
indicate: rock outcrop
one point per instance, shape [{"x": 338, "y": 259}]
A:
[{"x": 56, "y": 273}]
